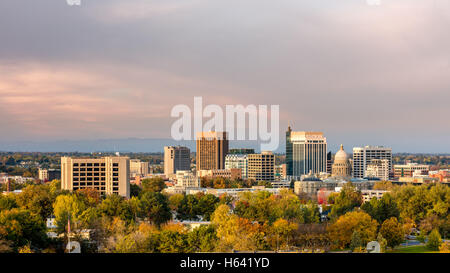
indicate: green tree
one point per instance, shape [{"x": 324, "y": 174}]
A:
[
  {"x": 155, "y": 207},
  {"x": 7, "y": 202},
  {"x": 382, "y": 209},
  {"x": 188, "y": 208},
  {"x": 382, "y": 242},
  {"x": 37, "y": 199},
  {"x": 356, "y": 241},
  {"x": 135, "y": 190},
  {"x": 346, "y": 200},
  {"x": 393, "y": 232},
  {"x": 202, "y": 239},
  {"x": 175, "y": 201},
  {"x": 116, "y": 206},
  {"x": 172, "y": 242},
  {"x": 207, "y": 205},
  {"x": 434, "y": 240},
  {"x": 155, "y": 184},
  {"x": 65, "y": 206},
  {"x": 21, "y": 227}
]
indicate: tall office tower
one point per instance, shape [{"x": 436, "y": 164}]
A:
[
  {"x": 176, "y": 158},
  {"x": 237, "y": 161},
  {"x": 378, "y": 168},
  {"x": 305, "y": 152},
  {"x": 362, "y": 156},
  {"x": 139, "y": 168},
  {"x": 212, "y": 147},
  {"x": 261, "y": 167},
  {"x": 108, "y": 175},
  {"x": 289, "y": 152}
]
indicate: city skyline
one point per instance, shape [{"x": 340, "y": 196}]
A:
[{"x": 356, "y": 72}]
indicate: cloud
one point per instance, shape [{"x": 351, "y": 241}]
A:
[{"x": 358, "y": 72}]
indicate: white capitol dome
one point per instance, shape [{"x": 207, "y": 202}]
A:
[
  {"x": 341, "y": 155},
  {"x": 341, "y": 166}
]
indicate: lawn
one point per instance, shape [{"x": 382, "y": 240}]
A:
[{"x": 412, "y": 249}]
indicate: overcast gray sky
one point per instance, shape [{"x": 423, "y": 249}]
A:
[{"x": 360, "y": 73}]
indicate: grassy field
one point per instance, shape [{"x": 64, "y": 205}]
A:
[{"x": 412, "y": 249}]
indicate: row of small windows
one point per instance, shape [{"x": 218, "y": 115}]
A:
[
  {"x": 88, "y": 179},
  {"x": 88, "y": 174},
  {"x": 93, "y": 164},
  {"x": 89, "y": 169},
  {"x": 93, "y": 174}
]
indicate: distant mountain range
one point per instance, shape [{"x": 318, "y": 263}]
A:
[{"x": 134, "y": 145}]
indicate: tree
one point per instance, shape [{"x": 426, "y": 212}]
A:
[
  {"x": 282, "y": 230},
  {"x": 155, "y": 184},
  {"x": 346, "y": 200},
  {"x": 66, "y": 206},
  {"x": 340, "y": 232},
  {"x": 202, "y": 239},
  {"x": 393, "y": 232},
  {"x": 188, "y": 208},
  {"x": 434, "y": 240},
  {"x": 444, "y": 248},
  {"x": 135, "y": 190},
  {"x": 234, "y": 232},
  {"x": 382, "y": 242},
  {"x": 175, "y": 201},
  {"x": 155, "y": 207},
  {"x": 116, "y": 206},
  {"x": 37, "y": 199},
  {"x": 21, "y": 227},
  {"x": 90, "y": 195},
  {"x": 172, "y": 242},
  {"x": 382, "y": 209},
  {"x": 7, "y": 202},
  {"x": 356, "y": 241},
  {"x": 206, "y": 205}
]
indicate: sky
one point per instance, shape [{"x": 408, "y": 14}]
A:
[{"x": 108, "y": 69}]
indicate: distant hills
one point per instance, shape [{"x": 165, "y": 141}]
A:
[{"x": 134, "y": 145}]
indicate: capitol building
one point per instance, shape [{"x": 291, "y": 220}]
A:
[{"x": 341, "y": 166}]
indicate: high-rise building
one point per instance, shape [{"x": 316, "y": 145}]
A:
[
  {"x": 108, "y": 175},
  {"x": 306, "y": 152},
  {"x": 237, "y": 161},
  {"x": 289, "y": 161},
  {"x": 408, "y": 170},
  {"x": 139, "y": 168},
  {"x": 212, "y": 147},
  {"x": 378, "y": 168},
  {"x": 329, "y": 163},
  {"x": 362, "y": 156},
  {"x": 341, "y": 166},
  {"x": 261, "y": 167},
  {"x": 176, "y": 158}
]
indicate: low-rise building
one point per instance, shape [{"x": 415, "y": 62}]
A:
[
  {"x": 187, "y": 179},
  {"x": 369, "y": 194},
  {"x": 233, "y": 174},
  {"x": 407, "y": 170}
]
